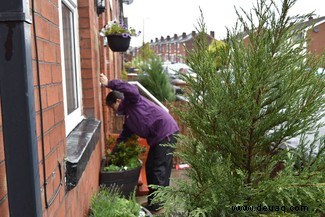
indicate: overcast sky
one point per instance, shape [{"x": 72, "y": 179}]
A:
[{"x": 168, "y": 17}]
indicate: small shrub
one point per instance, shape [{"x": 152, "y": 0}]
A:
[
  {"x": 125, "y": 155},
  {"x": 108, "y": 202},
  {"x": 156, "y": 81}
]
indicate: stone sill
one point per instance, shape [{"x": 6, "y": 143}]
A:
[{"x": 80, "y": 144}]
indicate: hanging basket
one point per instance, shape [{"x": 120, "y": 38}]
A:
[{"x": 118, "y": 43}]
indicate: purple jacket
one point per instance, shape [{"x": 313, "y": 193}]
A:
[{"x": 142, "y": 117}]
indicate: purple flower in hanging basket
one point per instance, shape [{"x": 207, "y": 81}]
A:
[
  {"x": 118, "y": 28},
  {"x": 125, "y": 35}
]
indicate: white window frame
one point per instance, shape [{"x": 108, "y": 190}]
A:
[{"x": 74, "y": 118}]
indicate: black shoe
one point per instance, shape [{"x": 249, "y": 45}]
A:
[{"x": 153, "y": 207}]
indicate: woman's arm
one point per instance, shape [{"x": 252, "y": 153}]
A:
[{"x": 131, "y": 92}]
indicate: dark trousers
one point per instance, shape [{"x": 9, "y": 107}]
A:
[{"x": 159, "y": 164}]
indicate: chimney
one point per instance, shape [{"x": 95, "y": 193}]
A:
[
  {"x": 168, "y": 37},
  {"x": 156, "y": 39},
  {"x": 162, "y": 38},
  {"x": 212, "y": 34},
  {"x": 193, "y": 33},
  {"x": 151, "y": 41},
  {"x": 183, "y": 35},
  {"x": 175, "y": 36}
]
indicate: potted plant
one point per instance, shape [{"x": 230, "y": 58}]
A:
[
  {"x": 122, "y": 166},
  {"x": 118, "y": 35},
  {"x": 108, "y": 202}
]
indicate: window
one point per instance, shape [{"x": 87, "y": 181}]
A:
[{"x": 70, "y": 64}]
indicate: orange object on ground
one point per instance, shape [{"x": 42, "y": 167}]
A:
[{"x": 143, "y": 188}]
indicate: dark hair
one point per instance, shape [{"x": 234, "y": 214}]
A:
[{"x": 113, "y": 96}]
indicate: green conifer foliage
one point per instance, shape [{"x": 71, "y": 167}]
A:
[
  {"x": 241, "y": 115},
  {"x": 156, "y": 81}
]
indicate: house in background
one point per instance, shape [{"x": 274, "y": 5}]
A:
[
  {"x": 313, "y": 31},
  {"x": 53, "y": 118},
  {"x": 172, "y": 49}
]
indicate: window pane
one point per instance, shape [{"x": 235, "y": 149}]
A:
[{"x": 69, "y": 59}]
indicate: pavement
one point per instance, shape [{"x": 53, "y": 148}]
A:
[{"x": 176, "y": 173}]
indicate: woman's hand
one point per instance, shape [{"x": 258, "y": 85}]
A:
[{"x": 103, "y": 80}]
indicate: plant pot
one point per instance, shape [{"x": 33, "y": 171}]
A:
[
  {"x": 146, "y": 212},
  {"x": 126, "y": 180},
  {"x": 118, "y": 43},
  {"x": 143, "y": 212}
]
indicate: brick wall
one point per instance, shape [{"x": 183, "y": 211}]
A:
[
  {"x": 4, "y": 209},
  {"x": 94, "y": 59},
  {"x": 316, "y": 36}
]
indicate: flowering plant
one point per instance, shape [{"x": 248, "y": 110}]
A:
[
  {"x": 124, "y": 156},
  {"x": 117, "y": 28}
]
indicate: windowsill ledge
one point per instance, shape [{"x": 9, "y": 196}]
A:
[{"x": 80, "y": 144}]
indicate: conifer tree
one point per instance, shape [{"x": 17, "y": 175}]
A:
[
  {"x": 156, "y": 81},
  {"x": 241, "y": 115}
]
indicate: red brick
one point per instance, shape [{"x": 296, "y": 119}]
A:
[
  {"x": 59, "y": 113},
  {"x": 2, "y": 154},
  {"x": 84, "y": 33},
  {"x": 41, "y": 172},
  {"x": 47, "y": 9},
  {"x": 48, "y": 119},
  {"x": 50, "y": 164},
  {"x": 38, "y": 124},
  {"x": 44, "y": 97},
  {"x": 83, "y": 3},
  {"x": 84, "y": 22},
  {"x": 37, "y": 6},
  {"x": 55, "y": 137},
  {"x": 55, "y": 15},
  {"x": 35, "y": 74},
  {"x": 87, "y": 63},
  {"x": 88, "y": 103},
  {"x": 36, "y": 96},
  {"x": 45, "y": 73},
  {"x": 56, "y": 73},
  {"x": 58, "y": 54},
  {"x": 61, "y": 149},
  {"x": 87, "y": 73},
  {"x": 47, "y": 143},
  {"x": 61, "y": 211},
  {"x": 84, "y": 12},
  {"x": 40, "y": 49},
  {"x": 60, "y": 87},
  {"x": 85, "y": 43},
  {"x": 88, "y": 94},
  {"x": 50, "y": 52},
  {"x": 54, "y": 34},
  {"x": 53, "y": 94},
  {"x": 55, "y": 2},
  {"x": 42, "y": 27},
  {"x": 87, "y": 83}
]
